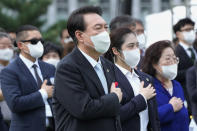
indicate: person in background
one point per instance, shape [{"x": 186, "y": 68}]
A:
[
  {"x": 138, "y": 108},
  {"x": 6, "y": 54},
  {"x": 122, "y": 21},
  {"x": 66, "y": 42},
  {"x": 161, "y": 62},
  {"x": 139, "y": 30},
  {"x": 52, "y": 53},
  {"x": 184, "y": 31},
  {"x": 191, "y": 85},
  {"x": 25, "y": 84}
]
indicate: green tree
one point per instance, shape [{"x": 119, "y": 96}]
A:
[{"x": 14, "y": 13}]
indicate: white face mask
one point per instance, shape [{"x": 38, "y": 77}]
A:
[
  {"x": 142, "y": 41},
  {"x": 37, "y": 50},
  {"x": 67, "y": 40},
  {"x": 132, "y": 57},
  {"x": 52, "y": 61},
  {"x": 6, "y": 54},
  {"x": 170, "y": 71},
  {"x": 189, "y": 37},
  {"x": 101, "y": 42}
]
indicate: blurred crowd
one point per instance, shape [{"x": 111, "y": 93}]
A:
[{"x": 46, "y": 86}]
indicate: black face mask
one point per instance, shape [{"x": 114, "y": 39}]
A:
[{"x": 34, "y": 41}]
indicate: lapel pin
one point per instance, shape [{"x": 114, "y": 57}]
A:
[
  {"x": 147, "y": 79},
  {"x": 107, "y": 70}
]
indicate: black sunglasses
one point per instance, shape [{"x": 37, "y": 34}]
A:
[{"x": 33, "y": 41}]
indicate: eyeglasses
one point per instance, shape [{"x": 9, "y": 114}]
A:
[
  {"x": 170, "y": 60},
  {"x": 34, "y": 41}
]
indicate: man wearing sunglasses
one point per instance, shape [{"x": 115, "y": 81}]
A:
[{"x": 26, "y": 86}]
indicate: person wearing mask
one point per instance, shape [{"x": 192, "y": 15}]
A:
[
  {"x": 6, "y": 54},
  {"x": 139, "y": 30},
  {"x": 191, "y": 85},
  {"x": 138, "y": 110},
  {"x": 52, "y": 53},
  {"x": 161, "y": 62},
  {"x": 25, "y": 84},
  {"x": 184, "y": 31},
  {"x": 85, "y": 96},
  {"x": 66, "y": 42}
]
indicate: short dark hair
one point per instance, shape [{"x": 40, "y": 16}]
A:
[
  {"x": 21, "y": 33},
  {"x": 76, "y": 19},
  {"x": 153, "y": 54},
  {"x": 51, "y": 47},
  {"x": 117, "y": 37},
  {"x": 181, "y": 23},
  {"x": 121, "y": 21},
  {"x": 138, "y": 21}
]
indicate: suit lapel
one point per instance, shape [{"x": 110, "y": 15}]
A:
[
  {"x": 26, "y": 72},
  {"x": 124, "y": 82},
  {"x": 88, "y": 70},
  {"x": 43, "y": 71}
]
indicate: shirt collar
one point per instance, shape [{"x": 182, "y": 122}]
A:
[
  {"x": 126, "y": 72},
  {"x": 185, "y": 47},
  {"x": 92, "y": 61},
  {"x": 29, "y": 63}
]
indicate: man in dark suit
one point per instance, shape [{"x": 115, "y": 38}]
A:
[
  {"x": 184, "y": 30},
  {"x": 191, "y": 82},
  {"x": 22, "y": 84},
  {"x": 85, "y": 97}
]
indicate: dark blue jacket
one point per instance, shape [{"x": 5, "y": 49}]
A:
[
  {"x": 132, "y": 105},
  {"x": 171, "y": 121},
  {"x": 22, "y": 96}
]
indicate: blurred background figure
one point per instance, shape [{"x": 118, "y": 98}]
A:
[
  {"x": 52, "y": 53},
  {"x": 6, "y": 54},
  {"x": 139, "y": 30},
  {"x": 161, "y": 62},
  {"x": 122, "y": 21},
  {"x": 184, "y": 30},
  {"x": 191, "y": 84},
  {"x": 66, "y": 42}
]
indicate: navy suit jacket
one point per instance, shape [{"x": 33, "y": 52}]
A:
[
  {"x": 192, "y": 89},
  {"x": 22, "y": 96},
  {"x": 132, "y": 105},
  {"x": 80, "y": 103}
]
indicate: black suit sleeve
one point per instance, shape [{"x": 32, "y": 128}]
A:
[
  {"x": 16, "y": 101},
  {"x": 71, "y": 92},
  {"x": 133, "y": 107}
]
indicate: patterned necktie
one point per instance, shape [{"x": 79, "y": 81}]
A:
[
  {"x": 38, "y": 79},
  {"x": 192, "y": 54}
]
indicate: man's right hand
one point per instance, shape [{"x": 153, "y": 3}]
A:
[
  {"x": 117, "y": 91},
  {"x": 147, "y": 92},
  {"x": 47, "y": 88},
  {"x": 176, "y": 103}
]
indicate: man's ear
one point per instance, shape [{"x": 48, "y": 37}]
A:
[
  {"x": 79, "y": 36},
  {"x": 20, "y": 45}
]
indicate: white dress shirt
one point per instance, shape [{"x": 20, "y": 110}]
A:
[
  {"x": 186, "y": 48},
  {"x": 43, "y": 93},
  {"x": 101, "y": 75},
  {"x": 134, "y": 80}
]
